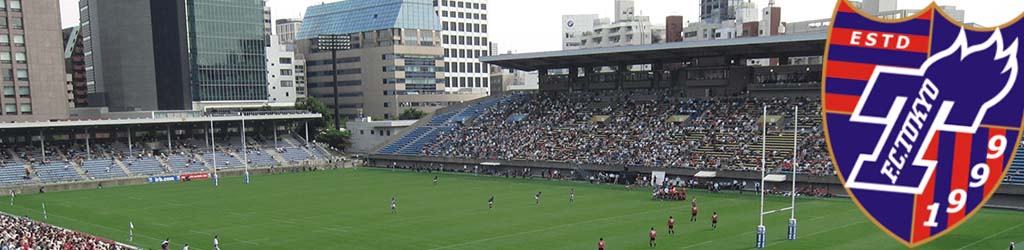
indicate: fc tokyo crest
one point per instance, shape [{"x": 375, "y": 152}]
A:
[{"x": 923, "y": 116}]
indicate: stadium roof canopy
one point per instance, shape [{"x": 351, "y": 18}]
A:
[
  {"x": 806, "y": 44},
  {"x": 165, "y": 118}
]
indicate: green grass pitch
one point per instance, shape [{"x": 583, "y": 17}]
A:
[{"x": 349, "y": 209}]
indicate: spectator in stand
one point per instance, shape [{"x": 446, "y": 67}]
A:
[{"x": 27, "y": 234}]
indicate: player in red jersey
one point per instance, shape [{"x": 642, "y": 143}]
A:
[
  {"x": 654, "y": 234},
  {"x": 671, "y": 225},
  {"x": 693, "y": 210},
  {"x": 600, "y": 244},
  {"x": 714, "y": 220}
]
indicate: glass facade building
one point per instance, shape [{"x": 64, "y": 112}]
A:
[
  {"x": 354, "y": 16},
  {"x": 227, "y": 50}
]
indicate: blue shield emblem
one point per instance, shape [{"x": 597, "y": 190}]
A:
[{"x": 922, "y": 115}]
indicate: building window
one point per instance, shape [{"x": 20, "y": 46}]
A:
[
  {"x": 444, "y": 2},
  {"x": 19, "y": 57},
  {"x": 386, "y": 104},
  {"x": 385, "y": 93},
  {"x": 5, "y": 57},
  {"x": 24, "y": 92},
  {"x": 3, "y": 22},
  {"x": 287, "y": 83},
  {"x": 17, "y": 23},
  {"x": 285, "y": 60},
  {"x": 5, "y": 40},
  {"x": 26, "y": 108},
  {"x": 286, "y": 72},
  {"x": 9, "y": 75},
  {"x": 16, "y": 5},
  {"x": 3, "y": 6},
  {"x": 19, "y": 40},
  {"x": 387, "y": 116},
  {"x": 22, "y": 74},
  {"x": 10, "y": 109},
  {"x": 9, "y": 91}
]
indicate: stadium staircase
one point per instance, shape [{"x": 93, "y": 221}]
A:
[
  {"x": 78, "y": 169},
  {"x": 124, "y": 168},
  {"x": 278, "y": 157}
]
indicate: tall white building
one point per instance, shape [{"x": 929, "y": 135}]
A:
[
  {"x": 575, "y": 26},
  {"x": 877, "y": 7},
  {"x": 464, "y": 39},
  {"x": 589, "y": 31},
  {"x": 283, "y": 71},
  {"x": 286, "y": 28},
  {"x": 624, "y": 10}
]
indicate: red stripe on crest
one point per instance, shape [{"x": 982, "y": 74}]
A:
[
  {"x": 926, "y": 16},
  {"x": 961, "y": 171},
  {"x": 995, "y": 165},
  {"x": 841, "y": 103},
  {"x": 932, "y": 153},
  {"x": 850, "y": 70},
  {"x": 843, "y": 7}
]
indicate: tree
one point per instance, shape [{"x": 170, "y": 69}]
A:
[
  {"x": 335, "y": 138},
  {"x": 313, "y": 105},
  {"x": 411, "y": 114}
]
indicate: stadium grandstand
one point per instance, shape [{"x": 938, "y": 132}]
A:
[
  {"x": 688, "y": 109},
  {"x": 52, "y": 154}
]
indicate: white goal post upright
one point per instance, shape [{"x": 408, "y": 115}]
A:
[
  {"x": 764, "y": 136},
  {"x": 213, "y": 150},
  {"x": 791, "y": 235}
]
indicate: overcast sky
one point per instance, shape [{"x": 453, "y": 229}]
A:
[{"x": 535, "y": 25}]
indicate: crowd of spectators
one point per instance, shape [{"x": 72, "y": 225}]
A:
[
  {"x": 640, "y": 128},
  {"x": 22, "y": 233}
]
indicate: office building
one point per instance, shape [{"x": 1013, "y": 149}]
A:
[
  {"x": 575, "y": 27},
  {"x": 197, "y": 53},
  {"x": 34, "y": 80},
  {"x": 227, "y": 51},
  {"x": 464, "y": 39},
  {"x": 624, "y": 10},
  {"x": 395, "y": 62},
  {"x": 771, "y": 21},
  {"x": 674, "y": 29},
  {"x": 286, "y": 30},
  {"x": 283, "y": 73},
  {"x": 589, "y": 31},
  {"x": 74, "y": 67},
  {"x": 878, "y": 7}
]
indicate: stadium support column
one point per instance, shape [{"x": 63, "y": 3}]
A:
[
  {"x": 543, "y": 79},
  {"x": 306, "y": 124},
  {"x": 659, "y": 71},
  {"x": 337, "y": 113},
  {"x": 620, "y": 75},
  {"x": 574, "y": 77},
  {"x": 169, "y": 131},
  {"x": 274, "y": 123},
  {"x": 587, "y": 71}
]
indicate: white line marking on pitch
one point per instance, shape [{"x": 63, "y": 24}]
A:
[
  {"x": 990, "y": 236},
  {"x": 821, "y": 232},
  {"x": 698, "y": 244},
  {"x": 546, "y": 229}
]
